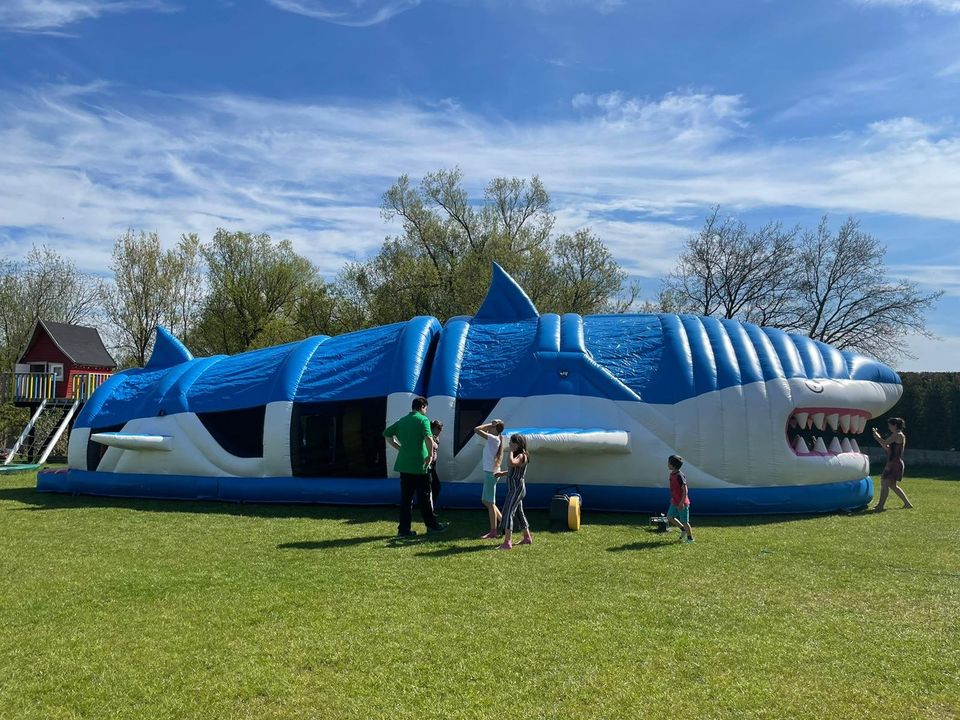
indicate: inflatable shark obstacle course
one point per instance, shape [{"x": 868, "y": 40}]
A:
[{"x": 767, "y": 421}]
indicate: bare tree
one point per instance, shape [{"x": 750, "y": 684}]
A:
[
  {"x": 42, "y": 286},
  {"x": 846, "y": 298},
  {"x": 833, "y": 288},
  {"x": 728, "y": 271},
  {"x": 188, "y": 286},
  {"x": 151, "y": 286},
  {"x": 588, "y": 275}
]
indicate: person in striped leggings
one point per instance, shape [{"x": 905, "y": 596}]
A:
[{"x": 516, "y": 491}]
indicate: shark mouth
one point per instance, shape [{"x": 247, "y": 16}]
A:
[{"x": 825, "y": 431}]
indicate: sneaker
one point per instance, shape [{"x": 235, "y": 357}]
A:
[
  {"x": 527, "y": 540},
  {"x": 687, "y": 539},
  {"x": 492, "y": 535},
  {"x": 506, "y": 546},
  {"x": 683, "y": 536},
  {"x": 407, "y": 534},
  {"x": 438, "y": 529}
]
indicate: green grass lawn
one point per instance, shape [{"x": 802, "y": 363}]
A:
[{"x": 141, "y": 609}]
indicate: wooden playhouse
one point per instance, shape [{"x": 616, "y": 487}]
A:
[{"x": 58, "y": 370}]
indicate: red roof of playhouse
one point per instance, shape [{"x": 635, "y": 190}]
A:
[{"x": 81, "y": 345}]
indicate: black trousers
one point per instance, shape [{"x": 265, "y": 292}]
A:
[
  {"x": 418, "y": 485},
  {"x": 434, "y": 482}
]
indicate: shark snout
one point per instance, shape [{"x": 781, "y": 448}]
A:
[
  {"x": 828, "y": 416},
  {"x": 866, "y": 369}
]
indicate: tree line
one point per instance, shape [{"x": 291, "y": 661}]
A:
[
  {"x": 239, "y": 291},
  {"x": 931, "y": 406}
]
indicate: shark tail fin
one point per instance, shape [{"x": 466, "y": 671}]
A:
[{"x": 167, "y": 351}]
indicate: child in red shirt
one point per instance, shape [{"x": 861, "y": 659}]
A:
[{"x": 679, "y": 512}]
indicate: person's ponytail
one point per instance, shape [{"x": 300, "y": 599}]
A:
[{"x": 499, "y": 459}]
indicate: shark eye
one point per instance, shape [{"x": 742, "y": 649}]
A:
[{"x": 814, "y": 386}]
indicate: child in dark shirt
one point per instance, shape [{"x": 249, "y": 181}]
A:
[
  {"x": 436, "y": 427},
  {"x": 679, "y": 512}
]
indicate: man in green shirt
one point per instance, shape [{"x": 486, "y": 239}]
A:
[{"x": 416, "y": 448}]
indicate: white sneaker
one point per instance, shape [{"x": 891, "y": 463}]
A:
[{"x": 683, "y": 536}]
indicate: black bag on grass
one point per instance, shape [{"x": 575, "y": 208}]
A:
[{"x": 565, "y": 509}]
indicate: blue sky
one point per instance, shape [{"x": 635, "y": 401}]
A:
[{"x": 293, "y": 116}]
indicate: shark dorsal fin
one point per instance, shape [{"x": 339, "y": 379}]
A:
[
  {"x": 506, "y": 301},
  {"x": 167, "y": 351}
]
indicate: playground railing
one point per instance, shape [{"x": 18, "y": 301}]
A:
[
  {"x": 20, "y": 387},
  {"x": 84, "y": 384}
]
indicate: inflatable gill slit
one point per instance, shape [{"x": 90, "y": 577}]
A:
[{"x": 766, "y": 421}]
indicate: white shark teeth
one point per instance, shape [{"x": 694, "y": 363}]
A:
[{"x": 841, "y": 425}]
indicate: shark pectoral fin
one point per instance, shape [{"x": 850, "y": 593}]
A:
[
  {"x": 574, "y": 440},
  {"x": 130, "y": 441}
]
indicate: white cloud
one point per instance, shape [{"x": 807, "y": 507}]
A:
[
  {"x": 950, "y": 71},
  {"x": 357, "y": 13},
  {"x": 934, "y": 277},
  {"x": 81, "y": 165},
  {"x": 945, "y": 6},
  {"x": 547, "y": 6},
  {"x": 361, "y": 13},
  {"x": 52, "y": 15},
  {"x": 642, "y": 247},
  {"x": 902, "y": 128},
  {"x": 938, "y": 354}
]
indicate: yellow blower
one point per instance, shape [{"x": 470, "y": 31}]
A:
[
  {"x": 565, "y": 510},
  {"x": 573, "y": 512}
]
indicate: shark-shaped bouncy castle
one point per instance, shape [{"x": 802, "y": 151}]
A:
[{"x": 766, "y": 421}]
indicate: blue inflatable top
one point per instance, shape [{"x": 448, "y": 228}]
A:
[
  {"x": 506, "y": 349},
  {"x": 367, "y": 363}
]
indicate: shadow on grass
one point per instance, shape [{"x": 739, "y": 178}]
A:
[
  {"x": 350, "y": 515},
  {"x": 641, "y": 521},
  {"x": 466, "y": 523},
  {"x": 455, "y": 550},
  {"x": 461, "y": 528},
  {"x": 332, "y": 543},
  {"x": 644, "y": 545}
]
